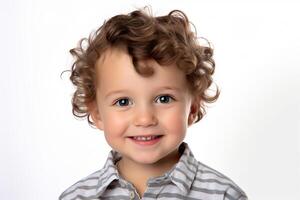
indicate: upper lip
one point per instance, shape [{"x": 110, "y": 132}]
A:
[{"x": 143, "y": 135}]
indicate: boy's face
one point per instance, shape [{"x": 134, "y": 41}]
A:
[{"x": 129, "y": 105}]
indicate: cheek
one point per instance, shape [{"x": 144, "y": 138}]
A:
[
  {"x": 115, "y": 124},
  {"x": 175, "y": 120}
]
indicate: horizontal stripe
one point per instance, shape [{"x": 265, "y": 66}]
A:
[
  {"x": 84, "y": 197},
  {"x": 171, "y": 196},
  {"x": 213, "y": 181},
  {"x": 208, "y": 191},
  {"x": 115, "y": 197}
]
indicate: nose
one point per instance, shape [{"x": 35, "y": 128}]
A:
[{"x": 145, "y": 116}]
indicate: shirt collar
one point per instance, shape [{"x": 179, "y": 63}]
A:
[
  {"x": 109, "y": 173},
  {"x": 182, "y": 174}
]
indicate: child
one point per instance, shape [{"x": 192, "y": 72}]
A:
[{"x": 143, "y": 80}]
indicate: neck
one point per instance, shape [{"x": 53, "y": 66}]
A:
[{"x": 138, "y": 173}]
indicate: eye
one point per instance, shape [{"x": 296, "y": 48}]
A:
[
  {"x": 164, "y": 98},
  {"x": 122, "y": 102}
]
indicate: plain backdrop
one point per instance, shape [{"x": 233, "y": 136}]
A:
[{"x": 251, "y": 134}]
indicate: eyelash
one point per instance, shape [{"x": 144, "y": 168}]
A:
[{"x": 164, "y": 95}]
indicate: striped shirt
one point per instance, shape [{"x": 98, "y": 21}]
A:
[{"x": 188, "y": 180}]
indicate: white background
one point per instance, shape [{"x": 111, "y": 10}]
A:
[{"x": 251, "y": 134}]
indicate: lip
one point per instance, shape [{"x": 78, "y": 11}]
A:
[
  {"x": 146, "y": 135},
  {"x": 146, "y": 143}
]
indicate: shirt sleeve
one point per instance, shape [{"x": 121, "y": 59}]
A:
[
  {"x": 243, "y": 198},
  {"x": 235, "y": 194}
]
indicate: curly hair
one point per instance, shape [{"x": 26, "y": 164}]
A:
[{"x": 166, "y": 39}]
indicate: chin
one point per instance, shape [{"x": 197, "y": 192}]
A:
[{"x": 147, "y": 161}]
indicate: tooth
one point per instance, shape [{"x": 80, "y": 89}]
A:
[{"x": 145, "y": 138}]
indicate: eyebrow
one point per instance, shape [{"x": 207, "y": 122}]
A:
[
  {"x": 124, "y": 91},
  {"x": 168, "y": 88},
  {"x": 115, "y": 92}
]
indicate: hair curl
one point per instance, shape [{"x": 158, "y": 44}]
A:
[{"x": 166, "y": 39}]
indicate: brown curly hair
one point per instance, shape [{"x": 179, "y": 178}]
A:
[{"x": 166, "y": 39}]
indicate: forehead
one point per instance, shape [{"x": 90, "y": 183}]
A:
[{"x": 115, "y": 71}]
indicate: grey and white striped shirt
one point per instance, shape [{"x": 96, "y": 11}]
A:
[{"x": 188, "y": 180}]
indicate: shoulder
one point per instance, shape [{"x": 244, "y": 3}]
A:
[
  {"x": 86, "y": 187},
  {"x": 93, "y": 185},
  {"x": 214, "y": 182},
  {"x": 201, "y": 181}
]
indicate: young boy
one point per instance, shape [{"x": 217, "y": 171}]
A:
[{"x": 143, "y": 80}]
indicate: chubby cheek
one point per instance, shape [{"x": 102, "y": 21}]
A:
[
  {"x": 175, "y": 122},
  {"x": 115, "y": 125}
]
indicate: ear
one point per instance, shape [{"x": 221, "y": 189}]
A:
[
  {"x": 194, "y": 109},
  {"x": 95, "y": 115}
]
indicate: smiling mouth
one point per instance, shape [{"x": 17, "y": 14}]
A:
[{"x": 145, "y": 138}]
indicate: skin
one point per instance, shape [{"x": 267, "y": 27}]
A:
[{"x": 128, "y": 104}]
